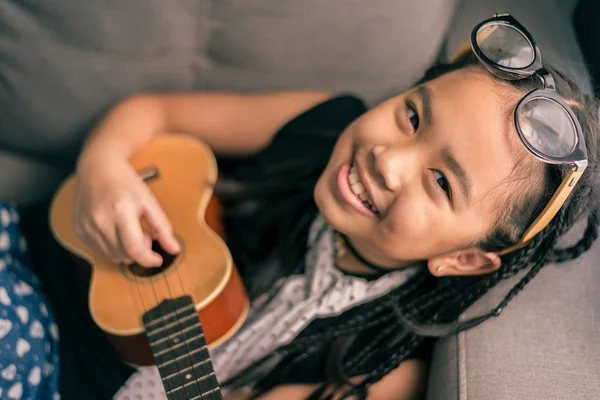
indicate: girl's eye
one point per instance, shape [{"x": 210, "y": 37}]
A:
[
  {"x": 442, "y": 182},
  {"x": 413, "y": 117}
]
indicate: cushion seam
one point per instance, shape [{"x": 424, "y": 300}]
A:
[{"x": 462, "y": 366}]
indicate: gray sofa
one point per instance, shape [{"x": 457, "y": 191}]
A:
[{"x": 63, "y": 63}]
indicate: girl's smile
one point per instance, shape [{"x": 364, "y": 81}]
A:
[{"x": 355, "y": 191}]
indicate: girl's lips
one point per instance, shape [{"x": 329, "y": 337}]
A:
[{"x": 347, "y": 194}]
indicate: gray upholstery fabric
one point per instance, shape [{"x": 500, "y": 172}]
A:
[
  {"x": 63, "y": 64},
  {"x": 549, "y": 21},
  {"x": 327, "y": 45},
  {"x": 544, "y": 346}
]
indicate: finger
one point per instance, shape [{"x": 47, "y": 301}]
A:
[
  {"x": 147, "y": 239},
  {"x": 161, "y": 226},
  {"x": 115, "y": 256},
  {"x": 147, "y": 244},
  {"x": 104, "y": 231},
  {"x": 93, "y": 238},
  {"x": 131, "y": 236}
]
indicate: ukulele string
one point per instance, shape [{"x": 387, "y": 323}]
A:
[
  {"x": 205, "y": 368},
  {"x": 146, "y": 309},
  {"x": 187, "y": 349},
  {"x": 215, "y": 391},
  {"x": 166, "y": 337},
  {"x": 171, "y": 347}
]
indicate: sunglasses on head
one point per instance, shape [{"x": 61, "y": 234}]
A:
[{"x": 545, "y": 124}]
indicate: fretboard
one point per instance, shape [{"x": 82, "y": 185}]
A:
[{"x": 179, "y": 349}]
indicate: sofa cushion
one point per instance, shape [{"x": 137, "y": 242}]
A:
[
  {"x": 326, "y": 45},
  {"x": 63, "y": 64},
  {"x": 548, "y": 21}
]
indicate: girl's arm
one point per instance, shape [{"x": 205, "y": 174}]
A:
[
  {"x": 233, "y": 124},
  {"x": 111, "y": 198},
  {"x": 406, "y": 382}
]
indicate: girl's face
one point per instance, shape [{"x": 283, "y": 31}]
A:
[{"x": 425, "y": 173}]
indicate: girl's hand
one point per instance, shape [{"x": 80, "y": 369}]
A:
[
  {"x": 110, "y": 200},
  {"x": 110, "y": 197}
]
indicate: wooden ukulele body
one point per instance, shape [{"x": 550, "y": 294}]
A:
[{"x": 181, "y": 172}]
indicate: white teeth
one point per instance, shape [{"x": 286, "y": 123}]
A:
[{"x": 358, "y": 188}]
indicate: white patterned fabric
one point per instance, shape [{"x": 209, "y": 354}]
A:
[
  {"x": 28, "y": 334},
  {"x": 276, "y": 318}
]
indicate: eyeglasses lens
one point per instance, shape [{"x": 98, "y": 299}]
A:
[
  {"x": 547, "y": 127},
  {"x": 505, "y": 45}
]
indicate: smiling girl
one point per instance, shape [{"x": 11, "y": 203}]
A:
[{"x": 370, "y": 230}]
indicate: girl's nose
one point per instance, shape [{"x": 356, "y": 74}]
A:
[{"x": 396, "y": 165}]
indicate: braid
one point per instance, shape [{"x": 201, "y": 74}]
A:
[
  {"x": 356, "y": 323},
  {"x": 354, "y": 364},
  {"x": 590, "y": 235}
]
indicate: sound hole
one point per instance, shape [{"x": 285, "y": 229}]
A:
[{"x": 168, "y": 258}]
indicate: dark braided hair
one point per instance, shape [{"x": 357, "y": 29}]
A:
[{"x": 425, "y": 306}]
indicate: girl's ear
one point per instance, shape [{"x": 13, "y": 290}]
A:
[{"x": 471, "y": 261}]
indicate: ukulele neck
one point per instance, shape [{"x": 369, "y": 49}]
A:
[{"x": 180, "y": 352}]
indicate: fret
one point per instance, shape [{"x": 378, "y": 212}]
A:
[
  {"x": 205, "y": 385},
  {"x": 191, "y": 367},
  {"x": 191, "y": 390},
  {"x": 212, "y": 374},
  {"x": 181, "y": 357},
  {"x": 173, "y": 335},
  {"x": 175, "y": 313},
  {"x": 172, "y": 324},
  {"x": 178, "y": 341},
  {"x": 178, "y": 345},
  {"x": 202, "y": 395}
]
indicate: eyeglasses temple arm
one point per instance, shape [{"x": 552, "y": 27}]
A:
[
  {"x": 467, "y": 46},
  {"x": 464, "y": 49},
  {"x": 555, "y": 203}
]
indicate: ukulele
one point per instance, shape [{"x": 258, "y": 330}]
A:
[{"x": 153, "y": 315}]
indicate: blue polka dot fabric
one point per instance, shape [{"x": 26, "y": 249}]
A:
[{"x": 28, "y": 334}]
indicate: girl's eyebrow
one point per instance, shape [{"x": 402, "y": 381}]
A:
[
  {"x": 425, "y": 94},
  {"x": 461, "y": 176}
]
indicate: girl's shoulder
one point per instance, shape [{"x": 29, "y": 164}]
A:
[
  {"x": 307, "y": 138},
  {"x": 314, "y": 131},
  {"x": 335, "y": 113}
]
